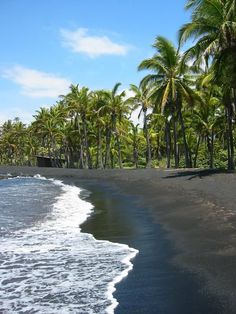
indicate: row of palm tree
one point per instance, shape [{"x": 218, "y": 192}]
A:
[
  {"x": 213, "y": 25},
  {"x": 84, "y": 126},
  {"x": 186, "y": 101}
]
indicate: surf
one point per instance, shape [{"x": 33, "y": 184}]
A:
[{"x": 53, "y": 267}]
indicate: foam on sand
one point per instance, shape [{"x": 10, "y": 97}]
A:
[{"x": 53, "y": 267}]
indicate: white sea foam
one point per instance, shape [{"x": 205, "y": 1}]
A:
[{"x": 54, "y": 268}]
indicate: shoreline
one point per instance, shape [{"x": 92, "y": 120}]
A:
[
  {"x": 155, "y": 285},
  {"x": 194, "y": 209}
]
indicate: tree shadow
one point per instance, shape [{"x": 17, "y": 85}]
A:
[{"x": 192, "y": 174}]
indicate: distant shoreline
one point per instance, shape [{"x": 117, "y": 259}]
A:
[{"x": 196, "y": 209}]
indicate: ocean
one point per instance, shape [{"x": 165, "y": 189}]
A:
[{"x": 47, "y": 265}]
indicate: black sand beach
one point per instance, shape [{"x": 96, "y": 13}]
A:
[{"x": 182, "y": 222}]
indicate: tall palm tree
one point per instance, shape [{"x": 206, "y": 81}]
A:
[
  {"x": 141, "y": 99},
  {"x": 99, "y": 100},
  {"x": 71, "y": 101},
  {"x": 39, "y": 126},
  {"x": 78, "y": 102},
  {"x": 13, "y": 142},
  {"x": 117, "y": 109},
  {"x": 47, "y": 125},
  {"x": 207, "y": 119},
  {"x": 213, "y": 26},
  {"x": 171, "y": 86},
  {"x": 134, "y": 136},
  {"x": 157, "y": 124}
]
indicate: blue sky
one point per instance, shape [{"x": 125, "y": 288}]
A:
[{"x": 46, "y": 45}]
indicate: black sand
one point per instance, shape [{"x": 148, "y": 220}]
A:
[{"x": 183, "y": 224}]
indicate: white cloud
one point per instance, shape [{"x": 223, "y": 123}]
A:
[
  {"x": 37, "y": 84},
  {"x": 80, "y": 42},
  {"x": 10, "y": 114},
  {"x": 128, "y": 93},
  {"x": 135, "y": 114},
  {"x": 136, "y": 117},
  {"x": 3, "y": 117}
]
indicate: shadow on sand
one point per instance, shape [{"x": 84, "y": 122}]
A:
[{"x": 192, "y": 174}]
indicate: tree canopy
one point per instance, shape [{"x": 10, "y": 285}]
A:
[{"x": 186, "y": 103}]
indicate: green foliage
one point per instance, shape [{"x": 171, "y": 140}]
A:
[{"x": 187, "y": 113}]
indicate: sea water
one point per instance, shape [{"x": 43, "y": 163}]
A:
[{"x": 47, "y": 265}]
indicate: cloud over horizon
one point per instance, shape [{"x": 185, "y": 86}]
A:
[
  {"x": 79, "y": 41},
  {"x": 16, "y": 112},
  {"x": 37, "y": 84}
]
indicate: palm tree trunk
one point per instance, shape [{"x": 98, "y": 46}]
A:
[
  {"x": 112, "y": 160},
  {"x": 54, "y": 153},
  {"x": 230, "y": 140},
  {"x": 50, "y": 155},
  {"x": 119, "y": 152},
  {"x": 148, "y": 145},
  {"x": 118, "y": 148},
  {"x": 135, "y": 147},
  {"x": 159, "y": 154},
  {"x": 108, "y": 148},
  {"x": 99, "y": 163},
  {"x": 168, "y": 144},
  {"x": 186, "y": 149},
  {"x": 67, "y": 156},
  {"x": 71, "y": 158},
  {"x": 229, "y": 99},
  {"x": 196, "y": 152},
  {"x": 117, "y": 139},
  {"x": 81, "y": 149},
  {"x": 176, "y": 150},
  {"x": 212, "y": 150},
  {"x": 135, "y": 155},
  {"x": 81, "y": 157},
  {"x": 86, "y": 163}
]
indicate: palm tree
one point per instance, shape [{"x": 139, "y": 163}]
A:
[
  {"x": 135, "y": 142},
  {"x": 9, "y": 143},
  {"x": 213, "y": 26},
  {"x": 84, "y": 108},
  {"x": 171, "y": 86},
  {"x": 157, "y": 124},
  {"x": 141, "y": 99},
  {"x": 99, "y": 100},
  {"x": 39, "y": 127},
  {"x": 19, "y": 137},
  {"x": 47, "y": 125},
  {"x": 78, "y": 103},
  {"x": 117, "y": 109},
  {"x": 206, "y": 119}
]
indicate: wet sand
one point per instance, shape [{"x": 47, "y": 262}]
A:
[{"x": 182, "y": 222}]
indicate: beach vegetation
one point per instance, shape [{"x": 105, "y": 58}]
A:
[{"x": 186, "y": 102}]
